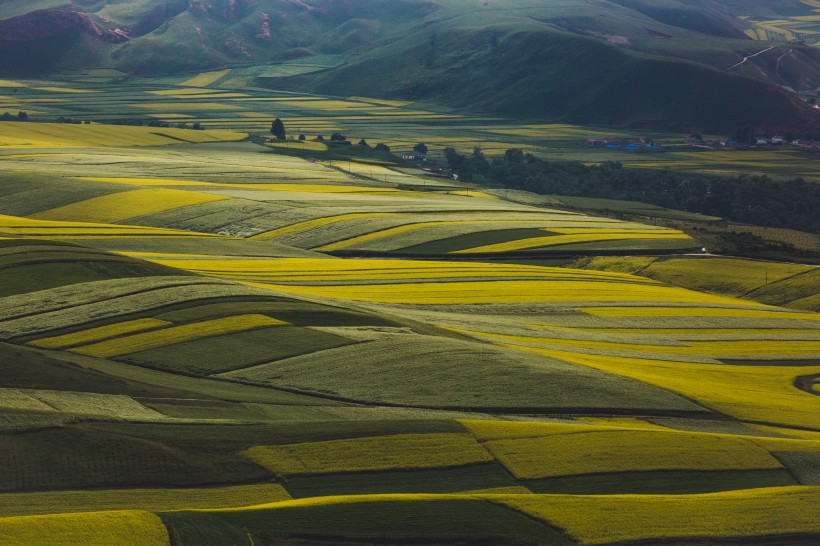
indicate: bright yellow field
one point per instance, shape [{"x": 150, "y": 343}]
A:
[
  {"x": 659, "y": 311},
  {"x": 505, "y": 291},
  {"x": 593, "y": 236},
  {"x": 63, "y": 90},
  {"x": 730, "y": 389},
  {"x": 324, "y": 269},
  {"x": 712, "y": 349},
  {"x": 53, "y": 229},
  {"x": 185, "y": 106},
  {"x": 377, "y": 235},
  {"x": 102, "y": 332},
  {"x": 124, "y": 528},
  {"x": 205, "y": 79},
  {"x": 626, "y": 450},
  {"x": 56, "y": 502},
  {"x": 400, "y": 451},
  {"x": 185, "y": 92},
  {"x": 614, "y": 518},
  {"x": 120, "y": 206},
  {"x": 61, "y": 135},
  {"x": 177, "y": 334}
]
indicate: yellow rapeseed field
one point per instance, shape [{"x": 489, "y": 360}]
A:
[
  {"x": 176, "y": 334},
  {"x": 626, "y": 450},
  {"x": 400, "y": 451},
  {"x": 506, "y": 291},
  {"x": 54, "y": 89},
  {"x": 377, "y": 235},
  {"x": 62, "y": 135},
  {"x": 600, "y": 519},
  {"x": 205, "y": 79},
  {"x": 315, "y": 223},
  {"x": 97, "y": 334},
  {"x": 734, "y": 390},
  {"x": 123, "y": 205},
  {"x": 54, "y": 229},
  {"x": 121, "y": 528},
  {"x": 156, "y": 499},
  {"x": 661, "y": 311},
  {"x": 593, "y": 236},
  {"x": 713, "y": 349}
]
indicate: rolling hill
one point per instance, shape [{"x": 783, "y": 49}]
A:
[
  {"x": 674, "y": 63},
  {"x": 189, "y": 356}
]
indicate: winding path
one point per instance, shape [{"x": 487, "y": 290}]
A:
[{"x": 749, "y": 57}]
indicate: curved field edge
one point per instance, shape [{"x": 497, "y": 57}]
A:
[
  {"x": 585, "y": 519},
  {"x": 122, "y": 528}
]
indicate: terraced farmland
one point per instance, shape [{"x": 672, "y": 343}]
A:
[{"x": 209, "y": 342}]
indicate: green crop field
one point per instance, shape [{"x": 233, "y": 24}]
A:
[{"x": 208, "y": 337}]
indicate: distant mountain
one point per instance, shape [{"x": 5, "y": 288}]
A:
[{"x": 682, "y": 63}]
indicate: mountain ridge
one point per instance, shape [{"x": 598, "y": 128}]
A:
[{"x": 585, "y": 62}]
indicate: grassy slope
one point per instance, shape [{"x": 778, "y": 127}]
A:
[
  {"x": 598, "y": 84},
  {"x": 772, "y": 283},
  {"x": 469, "y": 54}
]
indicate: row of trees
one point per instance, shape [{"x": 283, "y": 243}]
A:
[
  {"x": 757, "y": 200},
  {"x": 277, "y": 129},
  {"x": 21, "y": 116}
]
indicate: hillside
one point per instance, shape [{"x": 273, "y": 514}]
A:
[
  {"x": 194, "y": 351},
  {"x": 619, "y": 63}
]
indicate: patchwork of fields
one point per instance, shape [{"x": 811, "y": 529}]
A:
[{"x": 205, "y": 341}]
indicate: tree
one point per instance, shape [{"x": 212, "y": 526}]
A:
[
  {"x": 420, "y": 148},
  {"x": 514, "y": 155},
  {"x": 277, "y": 129},
  {"x": 382, "y": 147},
  {"x": 745, "y": 135},
  {"x": 6, "y": 117},
  {"x": 302, "y": 136},
  {"x": 454, "y": 159},
  {"x": 337, "y": 137},
  {"x": 363, "y": 143},
  {"x": 197, "y": 126},
  {"x": 319, "y": 138},
  {"x": 22, "y": 116}
]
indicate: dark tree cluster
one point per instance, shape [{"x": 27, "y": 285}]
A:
[
  {"x": 21, "y": 116},
  {"x": 758, "y": 200}
]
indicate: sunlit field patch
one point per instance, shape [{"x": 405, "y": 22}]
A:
[
  {"x": 23, "y": 504},
  {"x": 123, "y": 205},
  {"x": 600, "y": 519},
  {"x": 205, "y": 79},
  {"x": 94, "y": 528},
  {"x": 175, "y": 334},
  {"x": 61, "y": 135},
  {"x": 64, "y": 90},
  {"x": 186, "y": 106},
  {"x": 585, "y": 452},
  {"x": 403, "y": 451},
  {"x": 732, "y": 389},
  {"x": 590, "y": 236},
  {"x": 60, "y": 230},
  {"x": 99, "y": 333},
  {"x": 673, "y": 311}
]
